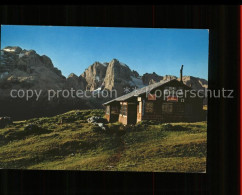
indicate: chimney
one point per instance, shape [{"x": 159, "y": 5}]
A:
[{"x": 181, "y": 73}]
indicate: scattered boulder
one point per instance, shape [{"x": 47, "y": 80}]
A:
[
  {"x": 4, "y": 121},
  {"x": 96, "y": 119},
  {"x": 78, "y": 113},
  {"x": 72, "y": 154},
  {"x": 167, "y": 127},
  {"x": 101, "y": 125},
  {"x": 98, "y": 122},
  {"x": 32, "y": 127}
]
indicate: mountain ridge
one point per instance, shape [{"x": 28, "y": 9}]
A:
[
  {"x": 26, "y": 70},
  {"x": 27, "y": 64}
]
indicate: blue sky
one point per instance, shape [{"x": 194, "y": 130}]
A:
[{"x": 146, "y": 50}]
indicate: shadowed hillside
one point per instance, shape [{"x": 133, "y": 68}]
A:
[{"x": 69, "y": 142}]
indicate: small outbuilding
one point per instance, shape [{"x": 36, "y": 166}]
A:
[{"x": 166, "y": 101}]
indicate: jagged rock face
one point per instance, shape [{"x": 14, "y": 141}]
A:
[
  {"x": 114, "y": 75},
  {"x": 118, "y": 76},
  {"x": 22, "y": 69},
  {"x": 148, "y": 78},
  {"x": 169, "y": 77},
  {"x": 75, "y": 82},
  {"x": 152, "y": 81},
  {"x": 94, "y": 75},
  {"x": 195, "y": 82},
  {"x": 27, "y": 70},
  {"x": 135, "y": 74},
  {"x": 105, "y": 63}
]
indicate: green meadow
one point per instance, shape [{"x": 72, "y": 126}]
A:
[{"x": 68, "y": 142}]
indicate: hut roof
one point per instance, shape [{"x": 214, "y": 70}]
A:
[{"x": 139, "y": 92}]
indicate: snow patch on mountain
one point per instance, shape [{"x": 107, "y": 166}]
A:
[
  {"x": 98, "y": 78},
  {"x": 105, "y": 64},
  {"x": 9, "y": 49},
  {"x": 20, "y": 55},
  {"x": 97, "y": 91},
  {"x": 3, "y": 74},
  {"x": 123, "y": 64}
]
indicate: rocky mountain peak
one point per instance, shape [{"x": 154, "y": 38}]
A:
[
  {"x": 29, "y": 52},
  {"x": 150, "y": 78},
  {"x": 135, "y": 74},
  {"x": 75, "y": 82},
  {"x": 169, "y": 77},
  {"x": 72, "y": 75},
  {"x": 27, "y": 69},
  {"x": 114, "y": 60},
  {"x": 195, "y": 82},
  {"x": 105, "y": 63},
  {"x": 112, "y": 75},
  {"x": 117, "y": 75},
  {"x": 94, "y": 75}
]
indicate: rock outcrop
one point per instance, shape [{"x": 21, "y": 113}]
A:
[
  {"x": 169, "y": 77},
  {"x": 148, "y": 78},
  {"x": 114, "y": 75},
  {"x": 117, "y": 75},
  {"x": 75, "y": 82},
  {"x": 94, "y": 75},
  {"x": 27, "y": 70},
  {"x": 4, "y": 121},
  {"x": 22, "y": 69},
  {"x": 195, "y": 82}
]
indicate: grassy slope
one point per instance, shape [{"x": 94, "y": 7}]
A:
[{"x": 74, "y": 144}]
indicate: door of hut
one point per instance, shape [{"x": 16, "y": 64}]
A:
[{"x": 132, "y": 113}]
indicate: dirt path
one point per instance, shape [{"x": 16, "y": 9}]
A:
[{"x": 115, "y": 158}]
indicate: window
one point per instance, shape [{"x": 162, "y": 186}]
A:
[
  {"x": 179, "y": 108},
  {"x": 149, "y": 107},
  {"x": 114, "y": 110},
  {"x": 167, "y": 108},
  {"x": 123, "y": 110}
]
